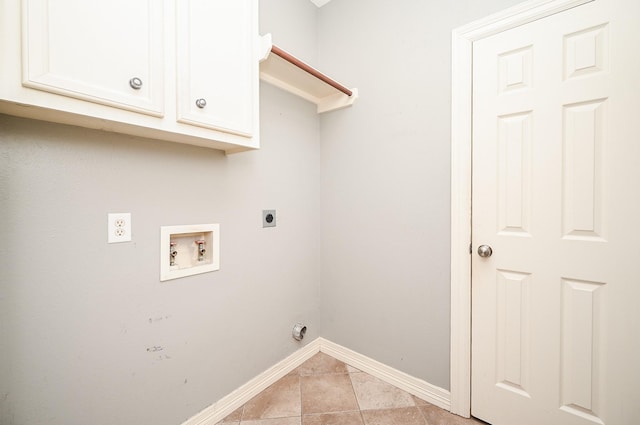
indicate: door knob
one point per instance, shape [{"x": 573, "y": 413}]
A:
[{"x": 485, "y": 251}]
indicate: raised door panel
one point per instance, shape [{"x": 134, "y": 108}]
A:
[
  {"x": 217, "y": 65},
  {"x": 92, "y": 51}
]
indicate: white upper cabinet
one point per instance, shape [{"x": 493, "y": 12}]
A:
[
  {"x": 214, "y": 39},
  {"x": 105, "y": 52},
  {"x": 180, "y": 70}
]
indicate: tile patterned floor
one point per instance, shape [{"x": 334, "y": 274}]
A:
[{"x": 325, "y": 391}]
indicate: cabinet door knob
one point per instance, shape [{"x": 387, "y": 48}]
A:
[
  {"x": 135, "y": 83},
  {"x": 201, "y": 103}
]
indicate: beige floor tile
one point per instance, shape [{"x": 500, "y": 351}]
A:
[
  {"x": 275, "y": 421},
  {"x": 325, "y": 391},
  {"x": 280, "y": 400},
  {"x": 343, "y": 418},
  {"x": 437, "y": 416},
  {"x": 404, "y": 416},
  {"x": 373, "y": 394},
  {"x": 327, "y": 394},
  {"x": 321, "y": 364}
]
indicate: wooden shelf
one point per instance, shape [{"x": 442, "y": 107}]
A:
[{"x": 289, "y": 73}]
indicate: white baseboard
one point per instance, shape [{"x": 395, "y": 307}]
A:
[
  {"x": 228, "y": 404},
  {"x": 421, "y": 389}
]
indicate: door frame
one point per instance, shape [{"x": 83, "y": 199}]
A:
[{"x": 461, "y": 190}]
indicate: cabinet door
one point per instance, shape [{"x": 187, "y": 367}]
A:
[
  {"x": 92, "y": 50},
  {"x": 217, "y": 64}
]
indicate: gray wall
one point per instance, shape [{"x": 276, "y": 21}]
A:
[
  {"x": 385, "y": 179},
  {"x": 79, "y": 319}
]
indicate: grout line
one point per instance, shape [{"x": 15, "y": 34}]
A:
[
  {"x": 244, "y": 408},
  {"x": 355, "y": 395},
  {"x": 300, "y": 395}
]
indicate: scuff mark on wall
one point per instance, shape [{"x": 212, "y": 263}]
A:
[
  {"x": 155, "y": 348},
  {"x": 159, "y": 318}
]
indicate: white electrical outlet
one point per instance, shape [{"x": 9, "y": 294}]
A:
[{"x": 119, "y": 227}]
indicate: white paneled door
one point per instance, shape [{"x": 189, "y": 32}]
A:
[{"x": 556, "y": 197}]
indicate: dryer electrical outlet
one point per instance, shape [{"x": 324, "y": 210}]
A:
[
  {"x": 188, "y": 250},
  {"x": 268, "y": 218}
]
